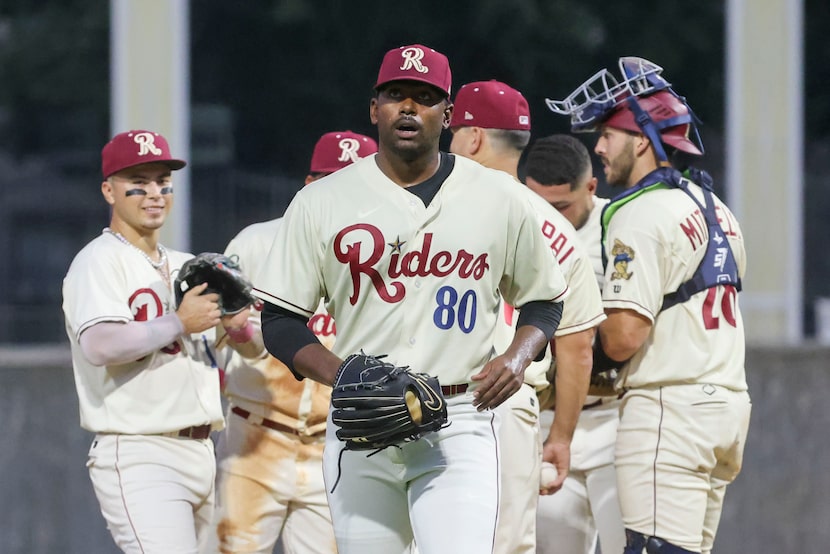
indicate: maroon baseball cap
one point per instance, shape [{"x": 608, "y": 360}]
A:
[
  {"x": 338, "y": 149},
  {"x": 136, "y": 148},
  {"x": 416, "y": 63},
  {"x": 492, "y": 105}
]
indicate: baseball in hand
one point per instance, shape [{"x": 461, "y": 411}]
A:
[{"x": 548, "y": 475}]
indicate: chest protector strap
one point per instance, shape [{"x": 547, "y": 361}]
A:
[{"x": 718, "y": 266}]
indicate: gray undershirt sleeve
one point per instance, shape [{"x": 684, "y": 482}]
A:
[{"x": 113, "y": 343}]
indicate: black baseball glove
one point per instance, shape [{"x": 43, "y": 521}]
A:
[
  {"x": 378, "y": 405},
  {"x": 223, "y": 277}
]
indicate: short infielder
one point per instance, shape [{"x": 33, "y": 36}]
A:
[
  {"x": 675, "y": 261},
  {"x": 559, "y": 169},
  {"x": 491, "y": 124},
  {"x": 144, "y": 369},
  {"x": 270, "y": 455},
  {"x": 412, "y": 250}
]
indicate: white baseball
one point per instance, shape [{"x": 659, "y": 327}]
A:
[{"x": 548, "y": 475}]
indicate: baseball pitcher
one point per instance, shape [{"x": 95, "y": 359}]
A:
[{"x": 412, "y": 251}]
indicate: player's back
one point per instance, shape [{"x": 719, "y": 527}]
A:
[
  {"x": 591, "y": 236},
  {"x": 583, "y": 308},
  {"x": 251, "y": 246},
  {"x": 654, "y": 244},
  {"x": 265, "y": 386}
]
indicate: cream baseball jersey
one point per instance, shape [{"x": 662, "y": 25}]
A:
[
  {"x": 583, "y": 308},
  {"x": 110, "y": 281},
  {"x": 409, "y": 280},
  {"x": 265, "y": 386},
  {"x": 590, "y": 234},
  {"x": 649, "y": 255}
]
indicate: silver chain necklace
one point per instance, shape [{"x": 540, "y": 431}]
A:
[{"x": 158, "y": 266}]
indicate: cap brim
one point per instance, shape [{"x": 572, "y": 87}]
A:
[
  {"x": 172, "y": 163},
  {"x": 175, "y": 164},
  {"x": 443, "y": 92}
]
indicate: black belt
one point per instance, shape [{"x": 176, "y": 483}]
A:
[{"x": 452, "y": 390}]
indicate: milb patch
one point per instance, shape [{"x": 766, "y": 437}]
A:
[{"x": 623, "y": 255}]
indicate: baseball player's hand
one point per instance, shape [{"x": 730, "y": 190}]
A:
[
  {"x": 199, "y": 312},
  {"x": 242, "y": 335},
  {"x": 236, "y": 321},
  {"x": 559, "y": 454},
  {"x": 498, "y": 380}
]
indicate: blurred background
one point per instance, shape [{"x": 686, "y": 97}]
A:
[
  {"x": 268, "y": 77},
  {"x": 265, "y": 78}
]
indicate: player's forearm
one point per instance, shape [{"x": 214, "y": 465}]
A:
[
  {"x": 527, "y": 342},
  {"x": 317, "y": 362},
  {"x": 246, "y": 338},
  {"x": 113, "y": 343},
  {"x": 573, "y": 373}
]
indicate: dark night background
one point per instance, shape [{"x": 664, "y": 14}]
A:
[{"x": 269, "y": 77}]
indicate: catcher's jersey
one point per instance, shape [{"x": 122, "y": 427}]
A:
[
  {"x": 265, "y": 386},
  {"x": 167, "y": 390},
  {"x": 421, "y": 284},
  {"x": 654, "y": 243},
  {"x": 590, "y": 235},
  {"x": 583, "y": 308}
]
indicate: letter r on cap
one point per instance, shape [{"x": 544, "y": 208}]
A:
[{"x": 147, "y": 144}]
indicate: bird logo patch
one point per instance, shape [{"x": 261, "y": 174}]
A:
[{"x": 623, "y": 255}]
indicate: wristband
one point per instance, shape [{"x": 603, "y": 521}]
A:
[{"x": 244, "y": 334}]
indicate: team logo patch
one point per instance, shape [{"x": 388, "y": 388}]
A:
[{"x": 623, "y": 255}]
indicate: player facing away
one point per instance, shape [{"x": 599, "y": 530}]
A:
[
  {"x": 145, "y": 370},
  {"x": 270, "y": 455},
  {"x": 586, "y": 510},
  {"x": 491, "y": 125},
  {"x": 675, "y": 262},
  {"x": 412, "y": 250}
]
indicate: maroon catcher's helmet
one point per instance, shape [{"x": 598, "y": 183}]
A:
[
  {"x": 663, "y": 108},
  {"x": 643, "y": 102}
]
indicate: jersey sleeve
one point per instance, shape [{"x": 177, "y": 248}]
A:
[
  {"x": 531, "y": 272},
  {"x": 291, "y": 275},
  {"x": 633, "y": 275},
  {"x": 94, "y": 290},
  {"x": 583, "y": 309}
]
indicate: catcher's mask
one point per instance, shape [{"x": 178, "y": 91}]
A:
[{"x": 643, "y": 102}]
